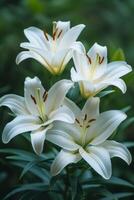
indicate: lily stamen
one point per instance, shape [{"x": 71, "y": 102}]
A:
[
  {"x": 34, "y": 100},
  {"x": 45, "y": 33},
  {"x": 101, "y": 60},
  {"x": 59, "y": 34},
  {"x": 54, "y": 34},
  {"x": 91, "y": 120},
  {"x": 45, "y": 96},
  {"x": 89, "y": 59}
]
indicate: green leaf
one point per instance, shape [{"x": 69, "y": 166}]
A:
[
  {"x": 116, "y": 196},
  {"x": 118, "y": 55},
  {"x": 32, "y": 186},
  {"x": 119, "y": 181}
]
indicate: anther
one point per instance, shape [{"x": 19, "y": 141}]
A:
[
  {"x": 101, "y": 60},
  {"x": 45, "y": 96},
  {"x": 46, "y": 36},
  {"x": 59, "y": 34},
  {"x": 89, "y": 59},
  {"x": 54, "y": 34},
  {"x": 91, "y": 120},
  {"x": 34, "y": 100},
  {"x": 85, "y": 118},
  {"x": 77, "y": 121},
  {"x": 87, "y": 126}
]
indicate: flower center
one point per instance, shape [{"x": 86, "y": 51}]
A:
[
  {"x": 39, "y": 101},
  {"x": 84, "y": 125}
]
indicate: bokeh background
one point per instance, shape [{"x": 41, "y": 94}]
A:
[{"x": 109, "y": 23}]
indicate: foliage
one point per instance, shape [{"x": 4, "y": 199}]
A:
[{"x": 23, "y": 175}]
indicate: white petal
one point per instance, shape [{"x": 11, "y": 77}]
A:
[
  {"x": 91, "y": 108},
  {"x": 79, "y": 47},
  {"x": 118, "y": 83},
  {"x": 98, "y": 158},
  {"x": 38, "y": 138},
  {"x": 62, "y": 139},
  {"x": 61, "y": 26},
  {"x": 71, "y": 36},
  {"x": 32, "y": 85},
  {"x": 69, "y": 129},
  {"x": 63, "y": 113},
  {"x": 20, "y": 124},
  {"x": 15, "y": 103},
  {"x": 56, "y": 94},
  {"x": 62, "y": 160},
  {"x": 60, "y": 59},
  {"x": 104, "y": 126},
  {"x": 36, "y": 37},
  {"x": 31, "y": 54},
  {"x": 72, "y": 106},
  {"x": 87, "y": 89},
  {"x": 82, "y": 64},
  {"x": 97, "y": 66},
  {"x": 117, "y": 69},
  {"x": 76, "y": 76},
  {"x": 117, "y": 149}
]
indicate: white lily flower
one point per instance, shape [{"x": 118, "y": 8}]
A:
[
  {"x": 36, "y": 111},
  {"x": 87, "y": 138},
  {"x": 52, "y": 52},
  {"x": 94, "y": 74}
]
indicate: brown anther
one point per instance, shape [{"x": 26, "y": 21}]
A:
[
  {"x": 81, "y": 126},
  {"x": 91, "y": 120},
  {"x": 45, "y": 96},
  {"x": 34, "y": 100},
  {"x": 85, "y": 118},
  {"x": 87, "y": 126},
  {"x": 59, "y": 34},
  {"x": 77, "y": 121},
  {"x": 89, "y": 59},
  {"x": 101, "y": 60},
  {"x": 54, "y": 34},
  {"x": 46, "y": 36}
]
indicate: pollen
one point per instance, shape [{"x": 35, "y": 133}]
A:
[
  {"x": 46, "y": 36},
  {"x": 34, "y": 100},
  {"x": 45, "y": 96},
  {"x": 89, "y": 59},
  {"x": 59, "y": 34}
]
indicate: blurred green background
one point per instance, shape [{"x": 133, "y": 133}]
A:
[{"x": 109, "y": 23}]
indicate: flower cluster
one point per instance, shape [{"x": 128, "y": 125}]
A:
[{"x": 51, "y": 116}]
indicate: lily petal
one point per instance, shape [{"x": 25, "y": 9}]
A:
[
  {"x": 72, "y": 106},
  {"x": 82, "y": 63},
  {"x": 33, "y": 88},
  {"x": 20, "y": 124},
  {"x": 91, "y": 108},
  {"x": 64, "y": 114},
  {"x": 61, "y": 26},
  {"x": 36, "y": 36},
  {"x": 69, "y": 129},
  {"x": 38, "y": 138},
  {"x": 31, "y": 54},
  {"x": 62, "y": 160},
  {"x": 56, "y": 94},
  {"x": 117, "y": 69},
  {"x": 60, "y": 59},
  {"x": 71, "y": 36},
  {"x": 104, "y": 126},
  {"x": 98, "y": 158},
  {"x": 98, "y": 56},
  {"x": 62, "y": 139},
  {"x": 117, "y": 149},
  {"x": 15, "y": 103},
  {"x": 118, "y": 83}
]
